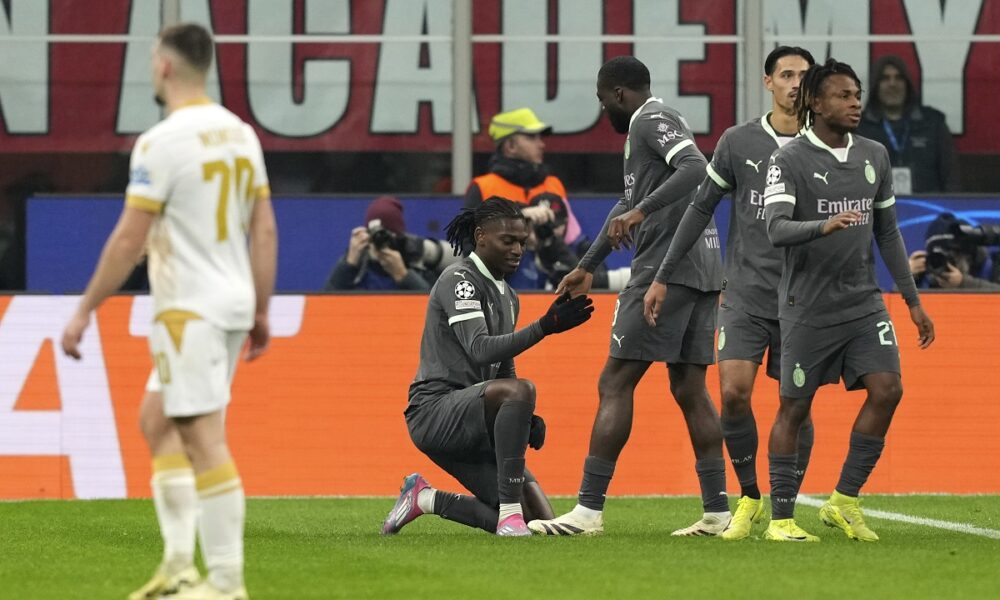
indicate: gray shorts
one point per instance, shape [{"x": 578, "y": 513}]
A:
[
  {"x": 451, "y": 430},
  {"x": 684, "y": 333},
  {"x": 811, "y": 357},
  {"x": 743, "y": 336}
]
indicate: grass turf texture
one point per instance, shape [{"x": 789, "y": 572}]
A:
[{"x": 329, "y": 548}]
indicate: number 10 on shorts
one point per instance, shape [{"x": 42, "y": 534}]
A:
[{"x": 886, "y": 333}]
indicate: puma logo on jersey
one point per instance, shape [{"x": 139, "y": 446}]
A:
[
  {"x": 618, "y": 339},
  {"x": 460, "y": 274},
  {"x": 755, "y": 165},
  {"x": 823, "y": 177}
]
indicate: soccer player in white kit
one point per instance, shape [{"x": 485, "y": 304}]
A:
[{"x": 198, "y": 200}]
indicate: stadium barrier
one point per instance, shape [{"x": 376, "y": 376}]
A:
[
  {"x": 321, "y": 414},
  {"x": 66, "y": 233}
]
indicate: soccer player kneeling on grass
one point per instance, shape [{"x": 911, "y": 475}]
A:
[
  {"x": 468, "y": 411},
  {"x": 197, "y": 188},
  {"x": 827, "y": 193}
]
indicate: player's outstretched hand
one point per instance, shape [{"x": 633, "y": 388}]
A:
[
  {"x": 74, "y": 333},
  {"x": 259, "y": 338},
  {"x": 566, "y": 313},
  {"x": 652, "y": 302},
  {"x": 924, "y": 325},
  {"x": 620, "y": 228},
  {"x": 841, "y": 221},
  {"x": 575, "y": 283},
  {"x": 536, "y": 436}
]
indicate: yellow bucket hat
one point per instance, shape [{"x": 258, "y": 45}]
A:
[{"x": 521, "y": 120}]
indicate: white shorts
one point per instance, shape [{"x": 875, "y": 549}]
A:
[{"x": 196, "y": 379}]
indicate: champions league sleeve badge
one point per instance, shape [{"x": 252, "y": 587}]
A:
[{"x": 464, "y": 290}]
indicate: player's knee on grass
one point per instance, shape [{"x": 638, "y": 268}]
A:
[{"x": 535, "y": 503}]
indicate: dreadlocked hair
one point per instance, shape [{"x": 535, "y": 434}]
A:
[
  {"x": 461, "y": 231},
  {"x": 812, "y": 86}
]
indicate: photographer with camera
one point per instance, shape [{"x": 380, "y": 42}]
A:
[
  {"x": 955, "y": 255},
  {"x": 382, "y": 256}
]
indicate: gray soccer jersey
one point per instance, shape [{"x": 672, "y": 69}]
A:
[
  {"x": 831, "y": 279},
  {"x": 753, "y": 264},
  {"x": 467, "y": 307},
  {"x": 658, "y": 139}
]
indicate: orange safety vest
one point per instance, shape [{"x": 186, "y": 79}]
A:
[{"x": 492, "y": 184}]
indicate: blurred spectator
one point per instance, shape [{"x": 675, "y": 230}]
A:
[
  {"x": 381, "y": 255},
  {"x": 951, "y": 261},
  {"x": 920, "y": 146}
]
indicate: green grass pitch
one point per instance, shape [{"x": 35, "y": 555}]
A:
[{"x": 330, "y": 548}]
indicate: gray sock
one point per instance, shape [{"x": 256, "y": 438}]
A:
[
  {"x": 861, "y": 458},
  {"x": 712, "y": 477},
  {"x": 510, "y": 435},
  {"x": 741, "y": 443},
  {"x": 466, "y": 510},
  {"x": 806, "y": 438},
  {"x": 784, "y": 485},
  {"x": 597, "y": 474}
]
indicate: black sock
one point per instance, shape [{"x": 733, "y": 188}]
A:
[
  {"x": 597, "y": 474},
  {"x": 806, "y": 438},
  {"x": 861, "y": 458},
  {"x": 712, "y": 478},
  {"x": 510, "y": 435},
  {"x": 784, "y": 485},
  {"x": 741, "y": 443},
  {"x": 467, "y": 510}
]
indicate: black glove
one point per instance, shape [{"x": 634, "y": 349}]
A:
[
  {"x": 536, "y": 437},
  {"x": 566, "y": 313}
]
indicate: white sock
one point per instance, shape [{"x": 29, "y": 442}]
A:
[
  {"x": 176, "y": 504},
  {"x": 586, "y": 513},
  {"x": 220, "y": 525},
  {"x": 425, "y": 500},
  {"x": 507, "y": 510}
]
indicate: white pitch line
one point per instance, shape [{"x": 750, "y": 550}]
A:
[{"x": 891, "y": 516}]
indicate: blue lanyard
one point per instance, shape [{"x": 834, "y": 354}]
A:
[{"x": 895, "y": 143}]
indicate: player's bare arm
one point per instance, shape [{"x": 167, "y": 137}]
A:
[
  {"x": 122, "y": 252},
  {"x": 263, "y": 264}
]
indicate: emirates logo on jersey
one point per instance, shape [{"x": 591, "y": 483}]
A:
[{"x": 464, "y": 290}]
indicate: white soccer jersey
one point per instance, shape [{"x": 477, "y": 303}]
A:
[{"x": 200, "y": 170}]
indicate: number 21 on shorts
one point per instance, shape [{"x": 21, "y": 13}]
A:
[{"x": 886, "y": 333}]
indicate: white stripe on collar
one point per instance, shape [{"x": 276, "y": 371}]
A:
[
  {"x": 821, "y": 144},
  {"x": 486, "y": 272},
  {"x": 766, "y": 124},
  {"x": 638, "y": 110}
]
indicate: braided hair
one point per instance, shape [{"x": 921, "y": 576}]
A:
[
  {"x": 461, "y": 231},
  {"x": 812, "y": 86}
]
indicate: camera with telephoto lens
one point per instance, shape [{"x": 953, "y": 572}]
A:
[
  {"x": 416, "y": 251},
  {"x": 979, "y": 235},
  {"x": 937, "y": 259}
]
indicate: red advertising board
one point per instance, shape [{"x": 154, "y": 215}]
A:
[{"x": 58, "y": 94}]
